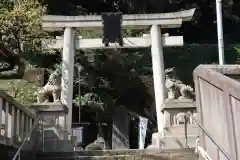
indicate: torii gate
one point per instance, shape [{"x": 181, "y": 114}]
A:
[{"x": 155, "y": 40}]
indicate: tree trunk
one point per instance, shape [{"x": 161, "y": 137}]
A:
[{"x": 16, "y": 68}]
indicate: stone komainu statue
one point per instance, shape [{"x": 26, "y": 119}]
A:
[
  {"x": 52, "y": 88},
  {"x": 175, "y": 88}
]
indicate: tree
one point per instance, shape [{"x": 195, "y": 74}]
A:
[{"x": 21, "y": 31}]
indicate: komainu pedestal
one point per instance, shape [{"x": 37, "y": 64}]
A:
[
  {"x": 50, "y": 113},
  {"x": 50, "y": 109},
  {"x": 53, "y": 116},
  {"x": 174, "y": 111}
]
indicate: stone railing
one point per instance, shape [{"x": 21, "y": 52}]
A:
[{"x": 16, "y": 120}]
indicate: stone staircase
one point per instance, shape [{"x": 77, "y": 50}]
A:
[
  {"x": 174, "y": 146},
  {"x": 171, "y": 154}
]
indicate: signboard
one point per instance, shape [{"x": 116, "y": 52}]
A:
[
  {"x": 142, "y": 131},
  {"x": 77, "y": 132}
]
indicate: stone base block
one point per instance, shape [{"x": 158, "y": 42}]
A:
[
  {"x": 179, "y": 130},
  {"x": 178, "y": 142}
]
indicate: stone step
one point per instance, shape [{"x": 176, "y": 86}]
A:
[
  {"x": 56, "y": 145},
  {"x": 178, "y": 130},
  {"x": 115, "y": 157},
  {"x": 157, "y": 154},
  {"x": 52, "y": 132},
  {"x": 128, "y": 157},
  {"x": 177, "y": 142}
]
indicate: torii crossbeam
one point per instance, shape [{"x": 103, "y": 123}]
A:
[{"x": 129, "y": 42}]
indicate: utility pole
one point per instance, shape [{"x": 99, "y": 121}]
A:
[{"x": 220, "y": 32}]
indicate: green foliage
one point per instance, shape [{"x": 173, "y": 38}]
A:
[
  {"x": 237, "y": 49},
  {"x": 21, "y": 31},
  {"x": 91, "y": 100},
  {"x": 21, "y": 90},
  {"x": 21, "y": 24}
]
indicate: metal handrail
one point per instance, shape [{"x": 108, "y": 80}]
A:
[
  {"x": 189, "y": 114},
  {"x": 25, "y": 139},
  {"x": 201, "y": 150}
]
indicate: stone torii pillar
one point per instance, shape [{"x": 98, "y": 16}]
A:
[
  {"x": 155, "y": 40},
  {"x": 68, "y": 54},
  {"x": 158, "y": 73}
]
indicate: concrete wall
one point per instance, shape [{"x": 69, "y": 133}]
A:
[{"x": 218, "y": 104}]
